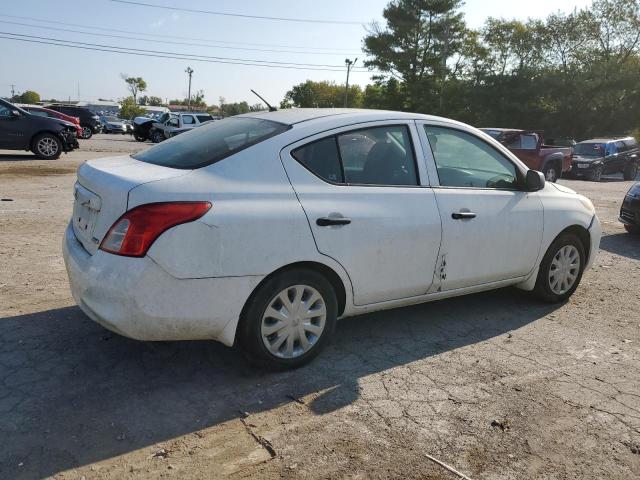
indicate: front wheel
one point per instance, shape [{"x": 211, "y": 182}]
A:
[
  {"x": 288, "y": 320},
  {"x": 157, "y": 136},
  {"x": 47, "y": 146},
  {"x": 561, "y": 269},
  {"x": 551, "y": 173},
  {"x": 630, "y": 171},
  {"x": 596, "y": 175},
  {"x": 139, "y": 138},
  {"x": 87, "y": 133}
]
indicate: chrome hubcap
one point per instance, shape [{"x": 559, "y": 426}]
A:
[
  {"x": 47, "y": 147},
  {"x": 551, "y": 175},
  {"x": 564, "y": 269},
  {"x": 86, "y": 131},
  {"x": 294, "y": 321}
]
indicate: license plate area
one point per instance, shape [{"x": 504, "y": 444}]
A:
[
  {"x": 86, "y": 208},
  {"x": 583, "y": 165}
]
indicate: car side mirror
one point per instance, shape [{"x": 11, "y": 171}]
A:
[{"x": 534, "y": 181}]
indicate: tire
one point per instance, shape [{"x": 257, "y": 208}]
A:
[
  {"x": 551, "y": 172},
  {"x": 87, "y": 133},
  {"x": 554, "y": 260},
  {"x": 632, "y": 229},
  {"x": 630, "y": 171},
  {"x": 596, "y": 175},
  {"x": 156, "y": 136},
  {"x": 47, "y": 146},
  {"x": 139, "y": 138},
  {"x": 257, "y": 330}
]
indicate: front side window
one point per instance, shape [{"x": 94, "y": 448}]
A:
[
  {"x": 188, "y": 120},
  {"x": 463, "y": 160},
  {"x": 173, "y": 121},
  {"x": 210, "y": 143},
  {"x": 372, "y": 156}
]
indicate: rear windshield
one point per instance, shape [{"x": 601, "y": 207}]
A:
[{"x": 210, "y": 143}]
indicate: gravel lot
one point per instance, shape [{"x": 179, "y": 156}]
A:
[{"x": 496, "y": 385}]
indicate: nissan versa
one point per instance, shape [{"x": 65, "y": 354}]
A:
[{"x": 262, "y": 229}]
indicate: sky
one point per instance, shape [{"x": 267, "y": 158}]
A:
[{"x": 72, "y": 73}]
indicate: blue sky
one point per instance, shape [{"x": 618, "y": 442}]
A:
[{"x": 56, "y": 71}]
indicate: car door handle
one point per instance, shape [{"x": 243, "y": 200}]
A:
[
  {"x": 463, "y": 215},
  {"x": 330, "y": 221}
]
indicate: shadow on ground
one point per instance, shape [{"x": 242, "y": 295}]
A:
[
  {"x": 623, "y": 244},
  {"x": 73, "y": 393}
]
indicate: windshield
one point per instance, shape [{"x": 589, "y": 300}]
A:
[
  {"x": 590, "y": 149},
  {"x": 210, "y": 143}
]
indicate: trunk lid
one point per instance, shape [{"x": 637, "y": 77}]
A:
[{"x": 102, "y": 193}]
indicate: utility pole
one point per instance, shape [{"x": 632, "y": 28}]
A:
[
  {"x": 349, "y": 64},
  {"x": 189, "y": 71},
  {"x": 13, "y": 91}
]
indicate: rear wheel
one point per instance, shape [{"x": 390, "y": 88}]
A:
[
  {"x": 561, "y": 269},
  {"x": 596, "y": 175},
  {"x": 157, "y": 136},
  {"x": 632, "y": 229},
  {"x": 139, "y": 138},
  {"x": 551, "y": 172},
  {"x": 47, "y": 146},
  {"x": 630, "y": 171},
  {"x": 288, "y": 320}
]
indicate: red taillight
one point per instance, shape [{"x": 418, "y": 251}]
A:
[{"x": 136, "y": 230}]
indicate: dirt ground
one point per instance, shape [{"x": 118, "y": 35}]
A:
[{"x": 495, "y": 385}]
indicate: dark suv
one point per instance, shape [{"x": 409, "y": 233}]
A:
[
  {"x": 89, "y": 121},
  {"x": 593, "y": 158},
  {"x": 46, "y": 137}
]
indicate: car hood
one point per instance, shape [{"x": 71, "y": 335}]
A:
[
  {"x": 634, "y": 191},
  {"x": 115, "y": 124},
  {"x": 563, "y": 189}
]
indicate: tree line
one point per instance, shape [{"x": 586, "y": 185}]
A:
[{"x": 572, "y": 74}]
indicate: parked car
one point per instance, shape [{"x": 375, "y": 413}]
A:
[
  {"x": 630, "y": 210},
  {"x": 46, "y": 112},
  {"x": 529, "y": 146},
  {"x": 89, "y": 121},
  {"x": 601, "y": 156},
  {"x": 262, "y": 229},
  {"x": 112, "y": 124},
  {"x": 142, "y": 127},
  {"x": 166, "y": 127},
  {"x": 46, "y": 137}
]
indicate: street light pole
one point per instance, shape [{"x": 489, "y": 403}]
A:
[
  {"x": 189, "y": 71},
  {"x": 349, "y": 64}
]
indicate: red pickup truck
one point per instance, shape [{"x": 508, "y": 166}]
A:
[{"x": 529, "y": 147}]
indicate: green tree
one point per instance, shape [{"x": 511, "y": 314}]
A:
[
  {"x": 130, "y": 109},
  {"x": 151, "y": 101},
  {"x": 324, "y": 94},
  {"x": 135, "y": 85},
  {"x": 27, "y": 97},
  {"x": 231, "y": 109},
  {"x": 416, "y": 46}
]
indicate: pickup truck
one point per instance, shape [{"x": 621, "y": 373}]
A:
[
  {"x": 170, "y": 125},
  {"x": 529, "y": 147}
]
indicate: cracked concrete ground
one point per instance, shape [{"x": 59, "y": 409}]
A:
[{"x": 495, "y": 385}]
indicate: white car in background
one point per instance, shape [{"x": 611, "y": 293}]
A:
[{"x": 262, "y": 229}]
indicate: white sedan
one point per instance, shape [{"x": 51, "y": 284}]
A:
[{"x": 262, "y": 229}]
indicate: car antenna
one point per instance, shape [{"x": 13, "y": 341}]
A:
[{"x": 271, "y": 109}]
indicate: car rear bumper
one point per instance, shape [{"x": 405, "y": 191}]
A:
[
  {"x": 136, "y": 298},
  {"x": 587, "y": 168}
]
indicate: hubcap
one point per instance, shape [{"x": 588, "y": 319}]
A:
[
  {"x": 564, "y": 269},
  {"x": 294, "y": 321},
  {"x": 86, "y": 131},
  {"x": 48, "y": 147}
]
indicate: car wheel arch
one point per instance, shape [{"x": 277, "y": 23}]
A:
[
  {"x": 42, "y": 132},
  {"x": 582, "y": 233}
]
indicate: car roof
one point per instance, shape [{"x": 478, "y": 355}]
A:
[
  {"x": 503, "y": 129},
  {"x": 601, "y": 140},
  {"x": 292, "y": 116}
]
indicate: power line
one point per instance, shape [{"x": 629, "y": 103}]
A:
[
  {"x": 240, "y": 15},
  {"x": 163, "y": 36},
  {"x": 3, "y": 35},
  {"x": 253, "y": 49},
  {"x": 182, "y": 55}
]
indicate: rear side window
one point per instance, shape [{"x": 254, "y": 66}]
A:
[
  {"x": 188, "y": 120},
  {"x": 204, "y": 118},
  {"x": 372, "y": 156},
  {"x": 210, "y": 143}
]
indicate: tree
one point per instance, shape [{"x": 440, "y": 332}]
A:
[
  {"x": 151, "y": 101},
  {"x": 135, "y": 85},
  {"x": 230, "y": 109},
  {"x": 324, "y": 94},
  {"x": 27, "y": 97},
  {"x": 416, "y": 45},
  {"x": 129, "y": 109}
]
